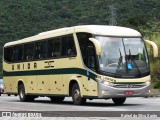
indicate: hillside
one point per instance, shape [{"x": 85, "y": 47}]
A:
[{"x": 23, "y": 18}]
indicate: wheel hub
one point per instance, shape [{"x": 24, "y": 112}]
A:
[
  {"x": 76, "y": 94},
  {"x": 21, "y": 94}
]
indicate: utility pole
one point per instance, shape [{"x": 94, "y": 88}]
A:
[{"x": 112, "y": 15}]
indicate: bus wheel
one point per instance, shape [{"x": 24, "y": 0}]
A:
[
  {"x": 119, "y": 101},
  {"x": 21, "y": 92},
  {"x": 57, "y": 99},
  {"x": 22, "y": 95},
  {"x": 76, "y": 95}
]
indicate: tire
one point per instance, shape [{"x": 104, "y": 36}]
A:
[
  {"x": 57, "y": 99},
  {"x": 30, "y": 98},
  {"x": 22, "y": 95},
  {"x": 119, "y": 101},
  {"x": 9, "y": 94},
  {"x": 76, "y": 95}
]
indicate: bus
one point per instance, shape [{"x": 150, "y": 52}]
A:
[{"x": 82, "y": 62}]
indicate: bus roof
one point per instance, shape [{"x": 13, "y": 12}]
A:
[
  {"x": 108, "y": 30},
  {"x": 93, "y": 29}
]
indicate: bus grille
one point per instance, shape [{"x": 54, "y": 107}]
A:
[{"x": 128, "y": 85}]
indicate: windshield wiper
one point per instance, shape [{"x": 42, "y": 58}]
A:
[
  {"x": 130, "y": 57},
  {"x": 125, "y": 56},
  {"x": 119, "y": 61}
]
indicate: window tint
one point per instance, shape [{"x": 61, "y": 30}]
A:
[
  {"x": 87, "y": 50},
  {"x": 28, "y": 51},
  {"x": 68, "y": 46},
  {"x": 91, "y": 60},
  {"x": 13, "y": 54},
  {"x": 57, "y": 48},
  {"x": 50, "y": 48},
  {"x": 40, "y": 50},
  {"x": 18, "y": 50},
  {"x": 54, "y": 48},
  {"x": 8, "y": 54}
]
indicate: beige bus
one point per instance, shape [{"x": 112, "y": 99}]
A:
[{"x": 84, "y": 62}]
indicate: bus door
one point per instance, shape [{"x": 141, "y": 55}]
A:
[{"x": 90, "y": 62}]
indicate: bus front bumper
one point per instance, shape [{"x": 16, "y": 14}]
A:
[{"x": 123, "y": 90}]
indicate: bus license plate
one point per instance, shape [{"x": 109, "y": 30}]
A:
[{"x": 128, "y": 92}]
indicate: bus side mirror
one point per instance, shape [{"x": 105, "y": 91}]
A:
[
  {"x": 155, "y": 47},
  {"x": 97, "y": 46}
]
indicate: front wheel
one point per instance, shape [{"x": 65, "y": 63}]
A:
[
  {"x": 119, "y": 101},
  {"x": 76, "y": 95}
]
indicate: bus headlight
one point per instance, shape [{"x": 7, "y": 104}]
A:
[
  {"x": 102, "y": 82},
  {"x": 147, "y": 83},
  {"x": 105, "y": 83}
]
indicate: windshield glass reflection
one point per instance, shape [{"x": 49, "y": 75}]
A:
[{"x": 123, "y": 56}]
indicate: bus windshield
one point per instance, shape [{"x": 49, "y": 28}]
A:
[{"x": 123, "y": 57}]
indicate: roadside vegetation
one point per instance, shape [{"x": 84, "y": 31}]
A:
[
  {"x": 24, "y": 18},
  {"x": 154, "y": 63}
]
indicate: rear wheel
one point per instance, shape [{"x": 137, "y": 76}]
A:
[
  {"x": 76, "y": 95},
  {"x": 119, "y": 101},
  {"x": 57, "y": 99},
  {"x": 22, "y": 95}
]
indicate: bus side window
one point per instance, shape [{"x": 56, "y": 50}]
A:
[
  {"x": 68, "y": 46},
  {"x": 50, "y": 46},
  {"x": 57, "y": 48},
  {"x": 8, "y": 54},
  {"x": 40, "y": 50},
  {"x": 28, "y": 51},
  {"x": 64, "y": 46},
  {"x": 71, "y": 48},
  {"x": 54, "y": 48},
  {"x": 18, "y": 50}
]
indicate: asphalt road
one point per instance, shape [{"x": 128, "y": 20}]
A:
[{"x": 94, "y": 108}]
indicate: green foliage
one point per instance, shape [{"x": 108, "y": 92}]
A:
[
  {"x": 154, "y": 62},
  {"x": 23, "y": 18}
]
